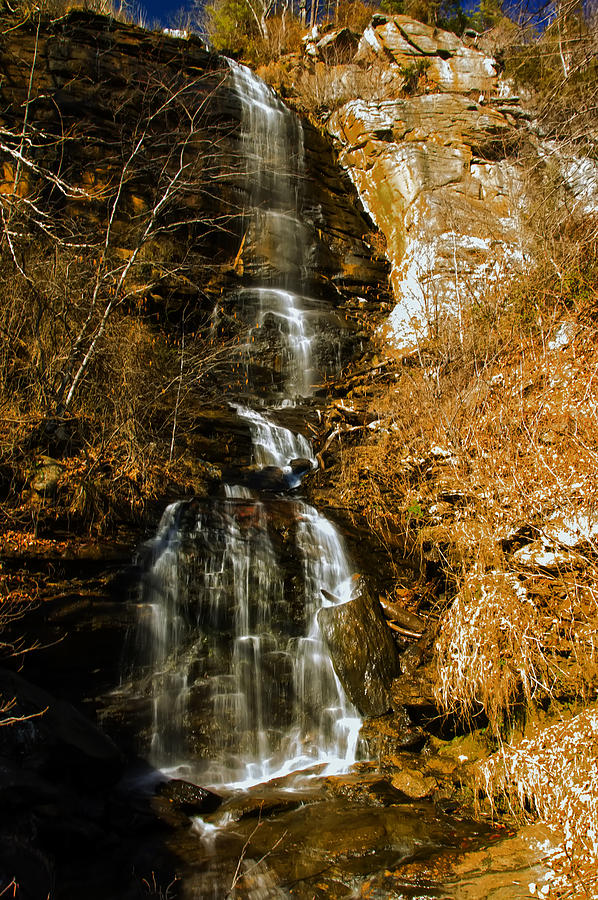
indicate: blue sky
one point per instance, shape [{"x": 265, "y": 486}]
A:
[{"x": 162, "y": 10}]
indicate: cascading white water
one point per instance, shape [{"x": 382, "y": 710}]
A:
[
  {"x": 235, "y": 583},
  {"x": 273, "y": 166},
  {"x": 271, "y": 444},
  {"x": 232, "y": 637}
]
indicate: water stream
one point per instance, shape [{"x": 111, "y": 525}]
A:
[
  {"x": 243, "y": 693},
  {"x": 243, "y": 688}
]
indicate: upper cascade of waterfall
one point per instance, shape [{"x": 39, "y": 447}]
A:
[
  {"x": 273, "y": 168},
  {"x": 273, "y": 163}
]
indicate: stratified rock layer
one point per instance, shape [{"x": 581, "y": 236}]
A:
[
  {"x": 437, "y": 172},
  {"x": 106, "y": 99}
]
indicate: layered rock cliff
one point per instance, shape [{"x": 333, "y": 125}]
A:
[
  {"x": 447, "y": 162},
  {"x": 82, "y": 91},
  {"x": 124, "y": 198}
]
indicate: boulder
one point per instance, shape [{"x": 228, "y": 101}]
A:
[
  {"x": 338, "y": 47},
  {"x": 362, "y": 651},
  {"x": 275, "y": 479},
  {"x": 189, "y": 798},
  {"x": 413, "y": 784},
  {"x": 448, "y": 63},
  {"x": 53, "y": 738},
  {"x": 46, "y": 475}
]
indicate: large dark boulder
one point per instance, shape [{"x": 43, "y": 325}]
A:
[
  {"x": 362, "y": 650},
  {"x": 53, "y": 738},
  {"x": 189, "y": 798}
]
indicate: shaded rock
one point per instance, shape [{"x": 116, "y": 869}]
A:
[
  {"x": 28, "y": 867},
  {"x": 413, "y": 784},
  {"x": 57, "y": 739},
  {"x": 189, "y": 798},
  {"x": 362, "y": 651},
  {"x": 374, "y": 789},
  {"x": 338, "y": 46},
  {"x": 415, "y": 689},
  {"x": 260, "y": 804},
  {"x": 279, "y": 478},
  {"x": 391, "y": 734},
  {"x": 169, "y": 814},
  {"x": 46, "y": 476}
]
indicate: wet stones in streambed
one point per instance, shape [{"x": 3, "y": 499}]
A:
[
  {"x": 262, "y": 802},
  {"x": 189, "y": 798},
  {"x": 362, "y": 650},
  {"x": 335, "y": 842}
]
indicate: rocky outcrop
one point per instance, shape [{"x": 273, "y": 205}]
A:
[
  {"x": 448, "y": 165},
  {"x": 437, "y": 171},
  {"x": 130, "y": 102},
  {"x": 362, "y": 651},
  {"x": 449, "y": 64}
]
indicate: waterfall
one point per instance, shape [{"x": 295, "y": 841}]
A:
[
  {"x": 273, "y": 445},
  {"x": 273, "y": 168},
  {"x": 243, "y": 688}
]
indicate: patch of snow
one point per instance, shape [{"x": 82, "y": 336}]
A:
[
  {"x": 490, "y": 66},
  {"x": 181, "y": 33},
  {"x": 537, "y": 556},
  {"x": 563, "y": 337},
  {"x": 467, "y": 241},
  {"x": 429, "y": 288},
  {"x": 579, "y": 173},
  {"x": 506, "y": 89},
  {"x": 439, "y": 452},
  {"x": 572, "y": 531},
  {"x": 370, "y": 37}
]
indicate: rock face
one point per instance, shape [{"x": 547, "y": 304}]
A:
[
  {"x": 449, "y": 64},
  {"x": 362, "y": 651},
  {"x": 95, "y": 79},
  {"x": 435, "y": 171}
]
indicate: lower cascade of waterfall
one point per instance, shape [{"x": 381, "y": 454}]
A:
[{"x": 243, "y": 687}]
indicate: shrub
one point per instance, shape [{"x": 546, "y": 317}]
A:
[{"x": 488, "y": 654}]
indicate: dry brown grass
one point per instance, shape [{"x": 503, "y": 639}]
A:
[
  {"x": 483, "y": 463},
  {"x": 488, "y": 654}
]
